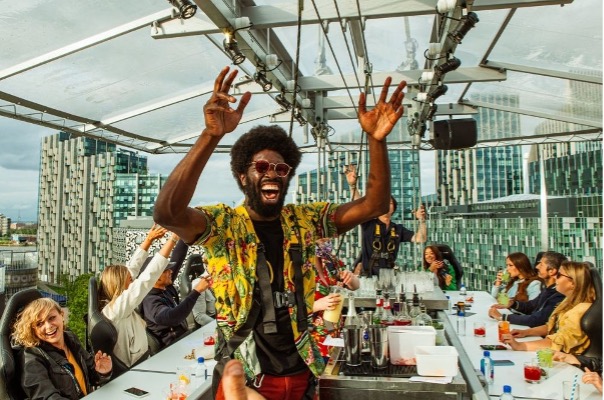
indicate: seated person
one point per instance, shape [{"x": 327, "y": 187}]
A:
[
  {"x": 537, "y": 311},
  {"x": 563, "y": 330},
  {"x": 442, "y": 269},
  {"x": 204, "y": 310},
  {"x": 591, "y": 365},
  {"x": 330, "y": 271},
  {"x": 120, "y": 295},
  {"x": 524, "y": 284},
  {"x": 166, "y": 319},
  {"x": 55, "y": 365}
]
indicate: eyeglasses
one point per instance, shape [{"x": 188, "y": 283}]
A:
[
  {"x": 262, "y": 167},
  {"x": 559, "y": 274}
]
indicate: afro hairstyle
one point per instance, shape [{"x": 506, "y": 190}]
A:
[{"x": 263, "y": 137}]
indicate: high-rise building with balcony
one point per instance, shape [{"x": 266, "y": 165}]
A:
[
  {"x": 86, "y": 187},
  {"x": 5, "y": 223}
]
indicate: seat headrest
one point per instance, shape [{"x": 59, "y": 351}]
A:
[{"x": 15, "y": 304}]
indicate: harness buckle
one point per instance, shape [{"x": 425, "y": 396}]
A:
[{"x": 284, "y": 299}]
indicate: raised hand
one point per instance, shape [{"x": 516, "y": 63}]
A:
[
  {"x": 420, "y": 213},
  {"x": 351, "y": 174},
  {"x": 379, "y": 121},
  {"x": 220, "y": 118},
  {"x": 156, "y": 232},
  {"x": 102, "y": 363}
]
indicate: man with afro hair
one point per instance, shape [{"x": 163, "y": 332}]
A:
[{"x": 261, "y": 254}]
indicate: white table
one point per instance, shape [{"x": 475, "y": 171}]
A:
[
  {"x": 155, "y": 374},
  {"x": 550, "y": 388}
]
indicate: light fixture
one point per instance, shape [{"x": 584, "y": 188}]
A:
[
  {"x": 298, "y": 117},
  {"x": 232, "y": 49},
  {"x": 432, "y": 112},
  {"x": 261, "y": 79},
  {"x": 271, "y": 61},
  {"x": 433, "y": 95},
  {"x": 184, "y": 7},
  {"x": 466, "y": 23},
  {"x": 450, "y": 65},
  {"x": 282, "y": 101}
]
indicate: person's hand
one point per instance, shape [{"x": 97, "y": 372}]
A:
[
  {"x": 498, "y": 278},
  {"x": 220, "y": 118},
  {"x": 155, "y": 233},
  {"x": 102, "y": 363},
  {"x": 508, "y": 339},
  {"x": 593, "y": 378},
  {"x": 448, "y": 279},
  {"x": 348, "y": 278},
  {"x": 233, "y": 383},
  {"x": 328, "y": 302},
  {"x": 174, "y": 237},
  {"x": 203, "y": 283},
  {"x": 351, "y": 174},
  {"x": 493, "y": 313},
  {"x": 518, "y": 333},
  {"x": 420, "y": 213},
  {"x": 567, "y": 358},
  {"x": 498, "y": 306},
  {"x": 379, "y": 121}
]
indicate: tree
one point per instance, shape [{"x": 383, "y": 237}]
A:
[{"x": 77, "y": 301}]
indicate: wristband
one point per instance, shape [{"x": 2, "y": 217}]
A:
[{"x": 174, "y": 240}]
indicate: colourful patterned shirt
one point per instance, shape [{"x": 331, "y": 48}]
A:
[{"x": 230, "y": 243}]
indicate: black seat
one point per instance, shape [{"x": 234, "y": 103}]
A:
[
  {"x": 591, "y": 322},
  {"x": 101, "y": 332},
  {"x": 448, "y": 255},
  {"x": 9, "y": 368},
  {"x": 193, "y": 269}
]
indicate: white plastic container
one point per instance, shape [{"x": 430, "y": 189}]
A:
[
  {"x": 402, "y": 341},
  {"x": 436, "y": 360}
]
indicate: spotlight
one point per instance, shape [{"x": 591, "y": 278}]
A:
[
  {"x": 298, "y": 117},
  {"x": 444, "y": 6},
  {"x": 466, "y": 23},
  {"x": 232, "y": 49},
  {"x": 431, "y": 112},
  {"x": 184, "y": 7},
  {"x": 433, "y": 95},
  {"x": 451, "y": 65},
  {"x": 263, "y": 81},
  {"x": 282, "y": 101}
]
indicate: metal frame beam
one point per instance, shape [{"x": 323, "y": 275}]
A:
[{"x": 543, "y": 72}]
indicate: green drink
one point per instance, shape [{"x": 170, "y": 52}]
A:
[
  {"x": 503, "y": 298},
  {"x": 546, "y": 358},
  {"x": 505, "y": 277}
]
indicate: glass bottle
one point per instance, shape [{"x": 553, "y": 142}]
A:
[
  {"x": 487, "y": 368},
  {"x": 414, "y": 309},
  {"x": 387, "y": 316},
  {"x": 403, "y": 317},
  {"x": 379, "y": 304},
  {"x": 352, "y": 318},
  {"x": 423, "y": 319}
]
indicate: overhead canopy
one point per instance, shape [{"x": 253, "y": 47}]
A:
[{"x": 136, "y": 74}]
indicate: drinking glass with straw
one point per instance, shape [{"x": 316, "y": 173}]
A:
[{"x": 573, "y": 390}]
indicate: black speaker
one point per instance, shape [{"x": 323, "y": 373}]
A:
[{"x": 454, "y": 134}]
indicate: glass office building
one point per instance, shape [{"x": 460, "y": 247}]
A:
[{"x": 86, "y": 187}]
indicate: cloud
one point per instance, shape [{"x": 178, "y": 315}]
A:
[
  {"x": 19, "y": 195},
  {"x": 20, "y": 144}
]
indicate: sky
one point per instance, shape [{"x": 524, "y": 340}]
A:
[{"x": 20, "y": 160}]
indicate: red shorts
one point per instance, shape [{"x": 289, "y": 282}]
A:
[{"x": 273, "y": 387}]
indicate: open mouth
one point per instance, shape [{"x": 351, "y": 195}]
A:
[
  {"x": 52, "y": 334},
  {"x": 270, "y": 192}
]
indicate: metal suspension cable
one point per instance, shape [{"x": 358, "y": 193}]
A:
[{"x": 296, "y": 67}]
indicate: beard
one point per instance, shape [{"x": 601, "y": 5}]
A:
[{"x": 253, "y": 196}]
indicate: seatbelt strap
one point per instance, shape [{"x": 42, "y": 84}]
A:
[
  {"x": 269, "y": 322},
  {"x": 244, "y": 331}
]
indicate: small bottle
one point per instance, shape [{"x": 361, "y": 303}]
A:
[
  {"x": 487, "y": 368},
  {"x": 423, "y": 319},
  {"x": 379, "y": 304},
  {"x": 461, "y": 323},
  {"x": 403, "y": 317},
  {"x": 507, "y": 393},
  {"x": 201, "y": 371},
  {"x": 387, "y": 316},
  {"x": 462, "y": 290},
  {"x": 352, "y": 319},
  {"x": 414, "y": 310}
]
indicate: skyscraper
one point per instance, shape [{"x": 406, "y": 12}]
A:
[{"x": 86, "y": 186}]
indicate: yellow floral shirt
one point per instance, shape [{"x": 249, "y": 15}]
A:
[
  {"x": 568, "y": 335},
  {"x": 230, "y": 243}
]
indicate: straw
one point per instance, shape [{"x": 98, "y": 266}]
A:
[{"x": 574, "y": 387}]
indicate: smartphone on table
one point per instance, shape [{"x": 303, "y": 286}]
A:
[
  {"x": 502, "y": 363},
  {"x": 136, "y": 392},
  {"x": 493, "y": 347}
]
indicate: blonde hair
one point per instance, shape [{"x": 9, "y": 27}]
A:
[
  {"x": 584, "y": 291},
  {"x": 24, "y": 329},
  {"x": 112, "y": 283}
]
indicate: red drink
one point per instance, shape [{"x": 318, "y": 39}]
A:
[
  {"x": 532, "y": 373},
  {"x": 388, "y": 322},
  {"x": 480, "y": 332},
  {"x": 402, "y": 322},
  {"x": 209, "y": 341}
]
